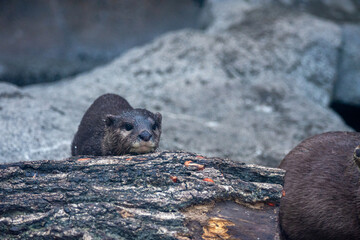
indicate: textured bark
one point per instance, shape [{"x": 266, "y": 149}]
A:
[{"x": 155, "y": 196}]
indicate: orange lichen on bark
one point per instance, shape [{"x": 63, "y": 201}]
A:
[
  {"x": 125, "y": 214},
  {"x": 217, "y": 228},
  {"x": 200, "y": 167},
  {"x": 187, "y": 163},
  {"x": 208, "y": 180},
  {"x": 83, "y": 159},
  {"x": 190, "y": 163},
  {"x": 173, "y": 178}
]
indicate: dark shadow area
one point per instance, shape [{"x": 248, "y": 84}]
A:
[{"x": 350, "y": 114}]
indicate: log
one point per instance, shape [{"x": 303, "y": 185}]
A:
[{"x": 163, "y": 195}]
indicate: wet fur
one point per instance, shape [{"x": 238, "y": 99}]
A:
[
  {"x": 94, "y": 137},
  {"x": 120, "y": 142},
  {"x": 113, "y": 139},
  {"x": 322, "y": 189}
]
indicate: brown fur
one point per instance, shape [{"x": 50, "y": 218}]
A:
[
  {"x": 102, "y": 130},
  {"x": 322, "y": 189}
]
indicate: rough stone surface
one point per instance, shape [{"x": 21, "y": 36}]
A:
[
  {"x": 163, "y": 195},
  {"x": 347, "y": 12},
  {"x": 45, "y": 41},
  {"x": 347, "y": 88},
  {"x": 246, "y": 88},
  {"x": 344, "y": 10},
  {"x": 33, "y": 128}
]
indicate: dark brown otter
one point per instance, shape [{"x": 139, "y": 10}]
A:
[
  {"x": 112, "y": 127},
  {"x": 322, "y": 188}
]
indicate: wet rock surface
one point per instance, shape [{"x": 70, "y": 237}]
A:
[
  {"x": 246, "y": 88},
  {"x": 165, "y": 195}
]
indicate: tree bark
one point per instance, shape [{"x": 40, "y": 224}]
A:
[{"x": 164, "y": 195}]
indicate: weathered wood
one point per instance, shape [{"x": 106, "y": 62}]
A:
[{"x": 153, "y": 196}]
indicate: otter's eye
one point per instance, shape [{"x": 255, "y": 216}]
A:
[
  {"x": 154, "y": 127},
  {"x": 128, "y": 126}
]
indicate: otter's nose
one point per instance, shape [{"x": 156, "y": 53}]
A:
[{"x": 145, "y": 135}]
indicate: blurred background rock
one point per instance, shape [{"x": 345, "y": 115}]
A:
[
  {"x": 241, "y": 79},
  {"x": 44, "y": 41}
]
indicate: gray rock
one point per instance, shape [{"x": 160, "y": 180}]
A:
[
  {"x": 45, "y": 41},
  {"x": 347, "y": 89},
  {"x": 249, "y": 90},
  {"x": 344, "y": 10},
  {"x": 32, "y": 128}
]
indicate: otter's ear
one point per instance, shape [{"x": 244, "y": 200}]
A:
[
  {"x": 158, "y": 118},
  {"x": 109, "y": 120}
]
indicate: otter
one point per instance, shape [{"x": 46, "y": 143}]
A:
[
  {"x": 112, "y": 127},
  {"x": 322, "y": 188}
]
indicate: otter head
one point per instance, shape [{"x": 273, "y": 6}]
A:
[{"x": 134, "y": 131}]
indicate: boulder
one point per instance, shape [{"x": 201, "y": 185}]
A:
[
  {"x": 248, "y": 89},
  {"x": 45, "y": 41},
  {"x": 344, "y": 10},
  {"x": 347, "y": 88},
  {"x": 32, "y": 128}
]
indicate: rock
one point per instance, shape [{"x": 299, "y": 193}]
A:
[
  {"x": 45, "y": 41},
  {"x": 347, "y": 88},
  {"x": 32, "y": 128},
  {"x": 247, "y": 90},
  {"x": 163, "y": 195},
  {"x": 345, "y": 10}
]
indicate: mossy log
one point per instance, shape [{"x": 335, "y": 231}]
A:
[{"x": 164, "y": 195}]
